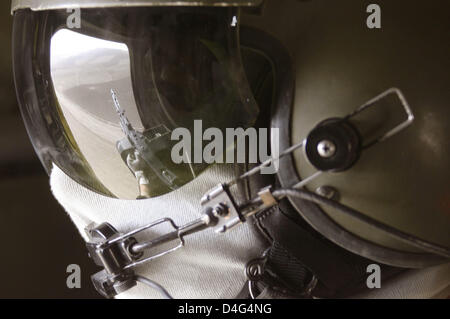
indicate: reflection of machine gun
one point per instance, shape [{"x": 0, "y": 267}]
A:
[{"x": 136, "y": 141}]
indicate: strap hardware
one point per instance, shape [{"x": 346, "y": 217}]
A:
[{"x": 267, "y": 197}]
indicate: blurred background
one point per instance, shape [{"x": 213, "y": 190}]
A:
[{"x": 37, "y": 237}]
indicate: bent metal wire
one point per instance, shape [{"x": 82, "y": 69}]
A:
[{"x": 222, "y": 212}]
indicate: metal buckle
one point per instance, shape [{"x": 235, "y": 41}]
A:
[
  {"x": 112, "y": 250},
  {"x": 224, "y": 206}
]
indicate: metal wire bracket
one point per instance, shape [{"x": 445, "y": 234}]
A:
[
  {"x": 374, "y": 141},
  {"x": 395, "y": 130},
  {"x": 113, "y": 251}
]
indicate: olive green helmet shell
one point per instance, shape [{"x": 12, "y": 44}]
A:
[{"x": 339, "y": 65}]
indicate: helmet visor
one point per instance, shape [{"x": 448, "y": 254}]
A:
[{"x": 101, "y": 99}]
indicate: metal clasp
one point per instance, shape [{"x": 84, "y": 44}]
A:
[
  {"x": 224, "y": 207},
  {"x": 113, "y": 251}
]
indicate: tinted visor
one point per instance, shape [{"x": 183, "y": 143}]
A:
[{"x": 101, "y": 101}]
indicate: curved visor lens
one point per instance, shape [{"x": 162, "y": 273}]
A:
[{"x": 104, "y": 92}]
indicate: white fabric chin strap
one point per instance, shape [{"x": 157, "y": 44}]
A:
[{"x": 209, "y": 266}]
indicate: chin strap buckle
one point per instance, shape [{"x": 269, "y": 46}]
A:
[
  {"x": 224, "y": 208},
  {"x": 267, "y": 197},
  {"x": 113, "y": 279},
  {"x": 119, "y": 253}
]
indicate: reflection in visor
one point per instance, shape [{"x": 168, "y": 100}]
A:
[
  {"x": 138, "y": 148},
  {"x": 86, "y": 71},
  {"x": 101, "y": 101}
]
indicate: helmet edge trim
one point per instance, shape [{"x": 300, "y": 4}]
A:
[{"x": 53, "y": 5}]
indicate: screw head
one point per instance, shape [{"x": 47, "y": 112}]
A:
[
  {"x": 328, "y": 192},
  {"x": 221, "y": 210},
  {"x": 326, "y": 148}
]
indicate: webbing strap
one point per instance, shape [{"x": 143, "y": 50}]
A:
[{"x": 298, "y": 252}]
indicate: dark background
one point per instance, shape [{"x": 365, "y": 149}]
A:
[{"x": 37, "y": 238}]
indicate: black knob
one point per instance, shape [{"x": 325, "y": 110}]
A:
[{"x": 333, "y": 145}]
